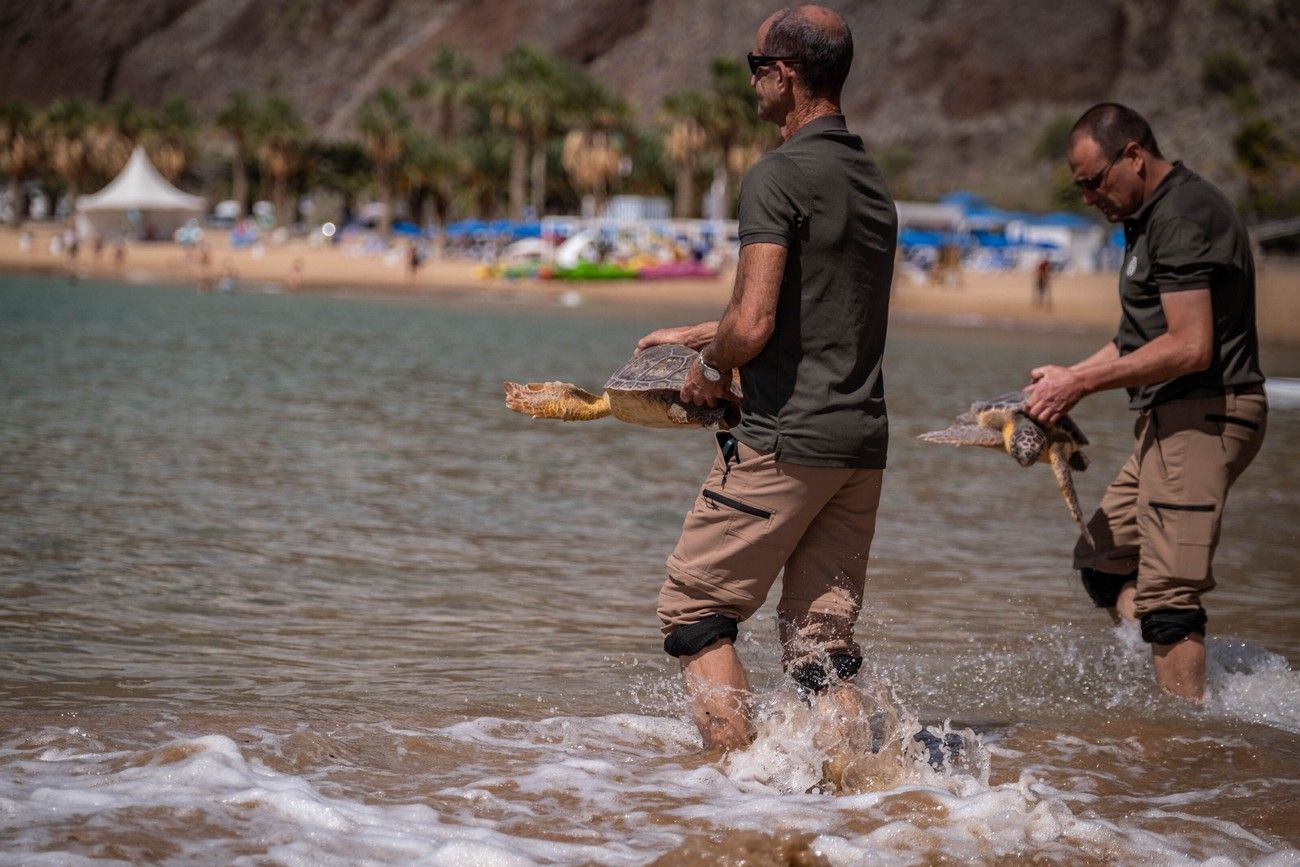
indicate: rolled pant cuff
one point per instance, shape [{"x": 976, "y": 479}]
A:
[
  {"x": 1171, "y": 625},
  {"x": 690, "y": 639},
  {"x": 814, "y": 676}
]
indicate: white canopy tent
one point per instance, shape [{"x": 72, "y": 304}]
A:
[{"x": 139, "y": 202}]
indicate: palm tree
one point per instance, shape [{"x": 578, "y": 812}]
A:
[
  {"x": 687, "y": 113},
  {"x": 66, "y": 128},
  {"x": 485, "y": 159},
  {"x": 280, "y": 135},
  {"x": 239, "y": 120},
  {"x": 527, "y": 97},
  {"x": 451, "y": 79},
  {"x": 738, "y": 135},
  {"x": 20, "y": 154},
  {"x": 114, "y": 135},
  {"x": 343, "y": 167},
  {"x": 428, "y": 171},
  {"x": 509, "y": 100},
  {"x": 594, "y": 149},
  {"x": 384, "y": 126},
  {"x": 170, "y": 137}
]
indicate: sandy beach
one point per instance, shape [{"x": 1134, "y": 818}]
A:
[{"x": 1079, "y": 300}]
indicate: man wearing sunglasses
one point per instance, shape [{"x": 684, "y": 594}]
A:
[
  {"x": 796, "y": 483},
  {"x": 1188, "y": 354}
]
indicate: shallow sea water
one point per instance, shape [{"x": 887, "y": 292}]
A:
[{"x": 282, "y": 581}]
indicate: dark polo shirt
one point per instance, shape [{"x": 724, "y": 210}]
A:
[
  {"x": 814, "y": 394},
  {"x": 1187, "y": 235}
]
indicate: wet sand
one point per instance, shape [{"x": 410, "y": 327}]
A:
[{"x": 1080, "y": 301}]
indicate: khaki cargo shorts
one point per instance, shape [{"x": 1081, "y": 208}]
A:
[
  {"x": 754, "y": 516},
  {"x": 1162, "y": 513}
]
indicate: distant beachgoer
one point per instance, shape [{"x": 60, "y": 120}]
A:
[
  {"x": 119, "y": 253},
  {"x": 294, "y": 282},
  {"x": 1043, "y": 284},
  {"x": 414, "y": 258},
  {"x": 205, "y": 267},
  {"x": 25, "y": 241},
  {"x": 71, "y": 246},
  {"x": 797, "y": 483},
  {"x": 1188, "y": 353}
]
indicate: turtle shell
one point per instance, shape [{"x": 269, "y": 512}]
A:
[
  {"x": 1012, "y": 401},
  {"x": 658, "y": 368}
]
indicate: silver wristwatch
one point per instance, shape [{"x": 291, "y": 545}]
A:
[{"x": 711, "y": 373}]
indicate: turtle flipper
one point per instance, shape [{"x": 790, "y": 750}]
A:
[
  {"x": 965, "y": 435},
  {"x": 562, "y": 400},
  {"x": 1065, "y": 481}
]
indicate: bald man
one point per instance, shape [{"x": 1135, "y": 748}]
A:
[{"x": 796, "y": 484}]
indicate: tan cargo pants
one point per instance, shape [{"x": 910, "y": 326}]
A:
[
  {"x": 1162, "y": 514},
  {"x": 753, "y": 517}
]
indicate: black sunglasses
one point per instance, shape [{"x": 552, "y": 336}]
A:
[
  {"x": 1091, "y": 184},
  {"x": 758, "y": 61}
]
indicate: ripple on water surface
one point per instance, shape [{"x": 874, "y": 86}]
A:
[{"x": 280, "y": 577}]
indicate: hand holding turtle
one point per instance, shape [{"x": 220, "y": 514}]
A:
[
  {"x": 1054, "y": 392},
  {"x": 694, "y": 336},
  {"x": 701, "y": 391}
]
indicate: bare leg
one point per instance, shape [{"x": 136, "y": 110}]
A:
[
  {"x": 843, "y": 717},
  {"x": 719, "y": 695},
  {"x": 1125, "y": 608},
  {"x": 1180, "y": 667}
]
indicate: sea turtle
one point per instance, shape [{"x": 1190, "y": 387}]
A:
[
  {"x": 1001, "y": 423},
  {"x": 643, "y": 391}
]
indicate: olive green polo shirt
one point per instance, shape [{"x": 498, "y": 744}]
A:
[
  {"x": 814, "y": 395},
  {"x": 1187, "y": 235}
]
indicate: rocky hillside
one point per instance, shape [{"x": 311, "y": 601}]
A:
[{"x": 962, "y": 92}]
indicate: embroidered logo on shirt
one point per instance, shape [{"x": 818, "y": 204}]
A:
[{"x": 1132, "y": 266}]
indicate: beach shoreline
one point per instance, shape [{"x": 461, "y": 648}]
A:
[{"x": 1080, "y": 301}]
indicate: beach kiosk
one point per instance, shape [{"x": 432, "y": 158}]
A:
[{"x": 138, "y": 203}]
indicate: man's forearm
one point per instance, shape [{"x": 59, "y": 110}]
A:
[
  {"x": 735, "y": 342},
  {"x": 1108, "y": 353},
  {"x": 1162, "y": 359},
  {"x": 750, "y": 317}
]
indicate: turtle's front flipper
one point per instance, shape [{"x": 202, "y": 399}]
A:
[
  {"x": 1065, "y": 481},
  {"x": 560, "y": 400},
  {"x": 965, "y": 435}
]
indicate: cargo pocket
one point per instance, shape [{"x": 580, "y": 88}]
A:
[
  {"x": 744, "y": 519},
  {"x": 729, "y": 538},
  {"x": 1189, "y": 529}
]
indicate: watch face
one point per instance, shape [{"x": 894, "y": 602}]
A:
[{"x": 710, "y": 374}]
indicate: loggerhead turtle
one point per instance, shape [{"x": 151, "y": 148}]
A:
[
  {"x": 1001, "y": 423},
  {"x": 643, "y": 391}
]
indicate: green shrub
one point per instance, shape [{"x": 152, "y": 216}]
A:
[
  {"x": 1258, "y": 146},
  {"x": 1224, "y": 72},
  {"x": 1053, "y": 139}
]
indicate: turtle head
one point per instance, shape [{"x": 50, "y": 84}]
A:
[{"x": 1025, "y": 439}]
